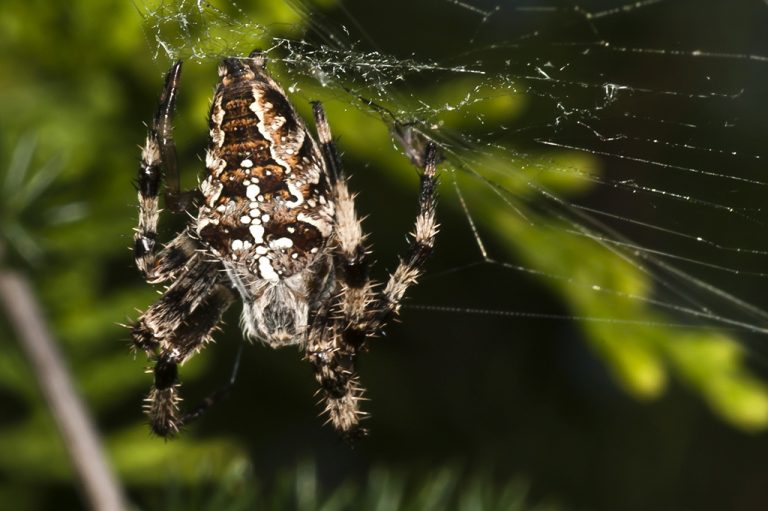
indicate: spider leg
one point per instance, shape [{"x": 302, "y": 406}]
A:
[
  {"x": 327, "y": 145},
  {"x": 333, "y": 351},
  {"x": 158, "y": 154},
  {"x": 350, "y": 253},
  {"x": 173, "y": 329},
  {"x": 423, "y": 240},
  {"x": 178, "y": 302},
  {"x": 173, "y": 258},
  {"x": 162, "y": 403},
  {"x": 357, "y": 313},
  {"x": 216, "y": 396},
  {"x": 334, "y": 368},
  {"x": 158, "y": 150},
  {"x": 162, "y": 128}
]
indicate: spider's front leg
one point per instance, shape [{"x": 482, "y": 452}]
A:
[
  {"x": 158, "y": 156},
  {"x": 425, "y": 230}
]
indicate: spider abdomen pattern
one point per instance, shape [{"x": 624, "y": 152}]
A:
[
  {"x": 276, "y": 229},
  {"x": 266, "y": 185},
  {"x": 267, "y": 211}
]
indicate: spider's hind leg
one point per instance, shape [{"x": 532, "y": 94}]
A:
[
  {"x": 162, "y": 403},
  {"x": 340, "y": 388},
  {"x": 175, "y": 328}
]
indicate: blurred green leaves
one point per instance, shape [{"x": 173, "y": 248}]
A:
[
  {"x": 446, "y": 488},
  {"x": 611, "y": 296},
  {"x": 21, "y": 206}
]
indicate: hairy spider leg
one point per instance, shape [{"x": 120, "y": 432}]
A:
[
  {"x": 333, "y": 361},
  {"x": 176, "y": 304},
  {"x": 216, "y": 396},
  {"x": 350, "y": 250},
  {"x": 180, "y": 324},
  {"x": 162, "y": 128},
  {"x": 158, "y": 157},
  {"x": 358, "y": 313},
  {"x": 334, "y": 370},
  {"x": 422, "y": 243}
]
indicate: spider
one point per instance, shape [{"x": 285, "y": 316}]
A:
[{"x": 276, "y": 227}]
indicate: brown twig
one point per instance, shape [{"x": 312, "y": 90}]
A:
[{"x": 81, "y": 439}]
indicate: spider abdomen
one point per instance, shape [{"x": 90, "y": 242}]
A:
[
  {"x": 267, "y": 206},
  {"x": 267, "y": 211}
]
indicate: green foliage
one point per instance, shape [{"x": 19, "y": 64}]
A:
[
  {"x": 20, "y": 192},
  {"x": 300, "y": 489},
  {"x": 614, "y": 297}
]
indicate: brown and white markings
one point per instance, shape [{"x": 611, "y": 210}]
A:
[{"x": 276, "y": 228}]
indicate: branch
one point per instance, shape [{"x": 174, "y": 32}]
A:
[{"x": 76, "y": 426}]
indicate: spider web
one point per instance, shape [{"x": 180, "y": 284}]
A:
[{"x": 610, "y": 150}]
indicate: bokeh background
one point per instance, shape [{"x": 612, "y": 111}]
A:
[{"x": 469, "y": 411}]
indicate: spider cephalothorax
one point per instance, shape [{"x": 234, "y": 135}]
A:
[{"x": 275, "y": 227}]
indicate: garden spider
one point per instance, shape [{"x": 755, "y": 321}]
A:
[{"x": 275, "y": 226}]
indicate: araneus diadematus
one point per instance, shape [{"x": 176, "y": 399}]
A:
[{"x": 276, "y": 226}]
